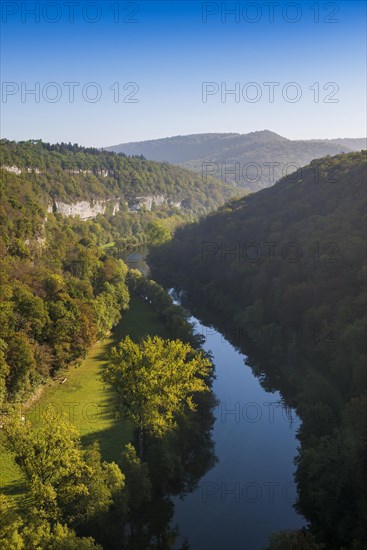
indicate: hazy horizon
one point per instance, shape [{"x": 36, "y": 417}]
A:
[
  {"x": 105, "y": 146},
  {"x": 241, "y": 133}
]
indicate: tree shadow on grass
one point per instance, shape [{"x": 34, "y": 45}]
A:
[
  {"x": 141, "y": 320},
  {"x": 112, "y": 440},
  {"x": 14, "y": 488},
  {"x": 118, "y": 432}
]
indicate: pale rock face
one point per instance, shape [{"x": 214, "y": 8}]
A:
[
  {"x": 116, "y": 208},
  {"x": 103, "y": 173},
  {"x": 147, "y": 202},
  {"x": 18, "y": 171},
  {"x": 13, "y": 169},
  {"x": 86, "y": 210},
  {"x": 34, "y": 170},
  {"x": 79, "y": 171},
  {"x": 175, "y": 204},
  {"x": 82, "y": 209}
]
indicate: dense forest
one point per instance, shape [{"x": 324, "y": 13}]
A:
[
  {"x": 70, "y": 173},
  {"x": 62, "y": 283},
  {"x": 283, "y": 271},
  {"x": 63, "y": 286}
]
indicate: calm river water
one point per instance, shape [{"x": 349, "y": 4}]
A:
[{"x": 250, "y": 491}]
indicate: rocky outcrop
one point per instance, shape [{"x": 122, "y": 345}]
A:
[
  {"x": 176, "y": 204},
  {"x": 16, "y": 170},
  {"x": 84, "y": 209},
  {"x": 146, "y": 202},
  {"x": 87, "y": 210},
  {"x": 115, "y": 208},
  {"x": 98, "y": 172},
  {"x": 78, "y": 171},
  {"x": 13, "y": 169}
]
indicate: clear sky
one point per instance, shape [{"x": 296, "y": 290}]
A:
[{"x": 151, "y": 69}]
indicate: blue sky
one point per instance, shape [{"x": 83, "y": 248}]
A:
[{"x": 166, "y": 51}]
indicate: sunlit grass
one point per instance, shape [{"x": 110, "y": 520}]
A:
[{"x": 85, "y": 400}]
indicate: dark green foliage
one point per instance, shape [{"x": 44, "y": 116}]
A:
[
  {"x": 283, "y": 272},
  {"x": 174, "y": 316},
  {"x": 49, "y": 317},
  {"x": 60, "y": 286}
]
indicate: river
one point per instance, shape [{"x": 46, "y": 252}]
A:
[{"x": 250, "y": 491}]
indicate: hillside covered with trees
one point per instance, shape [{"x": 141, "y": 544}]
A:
[
  {"x": 61, "y": 285},
  {"x": 250, "y": 161},
  {"x": 71, "y": 173},
  {"x": 283, "y": 272},
  {"x": 63, "y": 288}
]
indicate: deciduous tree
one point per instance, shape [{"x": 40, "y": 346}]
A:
[{"x": 155, "y": 380}]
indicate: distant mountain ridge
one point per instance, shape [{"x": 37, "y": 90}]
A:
[{"x": 252, "y": 161}]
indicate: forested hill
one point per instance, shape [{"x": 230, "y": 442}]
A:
[
  {"x": 284, "y": 271},
  {"x": 252, "y": 161},
  {"x": 62, "y": 284},
  {"x": 70, "y": 173},
  {"x": 63, "y": 287},
  {"x": 324, "y": 203}
]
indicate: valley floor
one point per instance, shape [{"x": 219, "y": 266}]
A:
[{"x": 85, "y": 400}]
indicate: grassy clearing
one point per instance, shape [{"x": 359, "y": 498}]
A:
[{"x": 85, "y": 400}]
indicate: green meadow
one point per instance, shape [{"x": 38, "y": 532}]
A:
[{"x": 84, "y": 399}]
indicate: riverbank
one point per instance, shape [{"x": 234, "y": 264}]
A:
[{"x": 84, "y": 399}]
